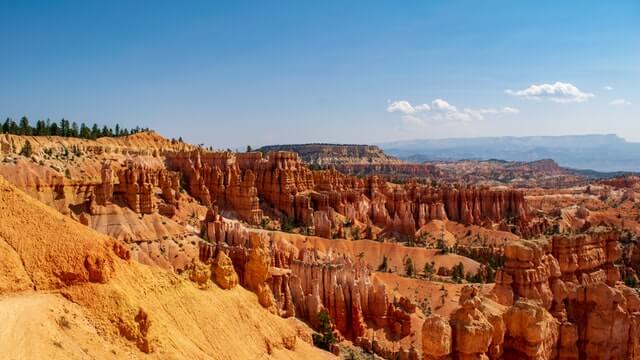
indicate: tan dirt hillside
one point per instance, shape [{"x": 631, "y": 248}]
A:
[{"x": 67, "y": 293}]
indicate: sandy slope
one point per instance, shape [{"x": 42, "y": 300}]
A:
[{"x": 65, "y": 294}]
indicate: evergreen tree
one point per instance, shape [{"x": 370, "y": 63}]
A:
[
  {"x": 40, "y": 128},
  {"x": 5, "y": 126},
  {"x": 117, "y": 133},
  {"x": 457, "y": 272},
  {"x": 95, "y": 131},
  {"x": 65, "y": 129},
  {"x": 429, "y": 269},
  {"x": 13, "y": 127},
  {"x": 25, "y": 129},
  {"x": 85, "y": 133},
  {"x": 409, "y": 269},
  {"x": 54, "y": 130},
  {"x": 325, "y": 338},
  {"x": 74, "y": 130}
]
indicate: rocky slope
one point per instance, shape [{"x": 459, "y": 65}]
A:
[{"x": 76, "y": 295}]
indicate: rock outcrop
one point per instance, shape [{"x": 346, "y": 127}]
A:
[
  {"x": 291, "y": 189},
  {"x": 135, "y": 186},
  {"x": 216, "y": 177},
  {"x": 303, "y": 283},
  {"x": 552, "y": 300}
]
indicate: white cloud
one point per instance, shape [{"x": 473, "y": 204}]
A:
[
  {"x": 620, "y": 102},
  {"x": 608, "y": 88},
  {"x": 441, "y": 111},
  {"x": 559, "y": 92},
  {"x": 439, "y": 104},
  {"x": 401, "y": 106}
]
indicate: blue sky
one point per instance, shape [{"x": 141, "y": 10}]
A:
[{"x": 232, "y": 73}]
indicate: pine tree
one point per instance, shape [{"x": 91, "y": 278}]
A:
[
  {"x": 457, "y": 272},
  {"x": 85, "y": 133},
  {"x": 95, "y": 131},
  {"x": 325, "y": 339},
  {"x": 429, "y": 269},
  {"x": 13, "y": 127},
  {"x": 64, "y": 128},
  {"x": 117, "y": 133},
  {"x": 40, "y": 128},
  {"x": 409, "y": 269},
  {"x": 5, "y": 126},
  {"x": 25, "y": 129},
  {"x": 54, "y": 129},
  {"x": 74, "y": 130}
]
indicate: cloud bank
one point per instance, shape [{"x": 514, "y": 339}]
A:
[
  {"x": 441, "y": 111},
  {"x": 558, "y": 92}
]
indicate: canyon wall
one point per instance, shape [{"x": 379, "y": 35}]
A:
[
  {"x": 286, "y": 185},
  {"x": 552, "y": 300}
]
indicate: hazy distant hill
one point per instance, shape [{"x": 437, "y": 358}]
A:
[{"x": 596, "y": 152}]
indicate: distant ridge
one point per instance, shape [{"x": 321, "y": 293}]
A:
[
  {"x": 336, "y": 154},
  {"x": 605, "y": 153}
]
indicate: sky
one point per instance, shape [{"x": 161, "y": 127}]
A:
[{"x": 238, "y": 73}]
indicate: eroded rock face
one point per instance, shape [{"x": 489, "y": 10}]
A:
[
  {"x": 475, "y": 336},
  {"x": 532, "y": 332},
  {"x": 302, "y": 283},
  {"x": 224, "y": 275},
  {"x": 216, "y": 177},
  {"x": 135, "y": 187},
  {"x": 437, "y": 338},
  {"x": 565, "y": 299},
  {"x": 287, "y": 185}
]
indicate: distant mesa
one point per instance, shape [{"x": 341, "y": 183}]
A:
[{"x": 336, "y": 154}]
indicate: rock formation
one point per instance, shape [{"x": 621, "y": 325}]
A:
[
  {"x": 290, "y": 188},
  {"x": 303, "y": 283},
  {"x": 136, "y": 187},
  {"x": 216, "y": 177}
]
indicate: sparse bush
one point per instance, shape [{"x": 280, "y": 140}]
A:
[{"x": 26, "y": 150}]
